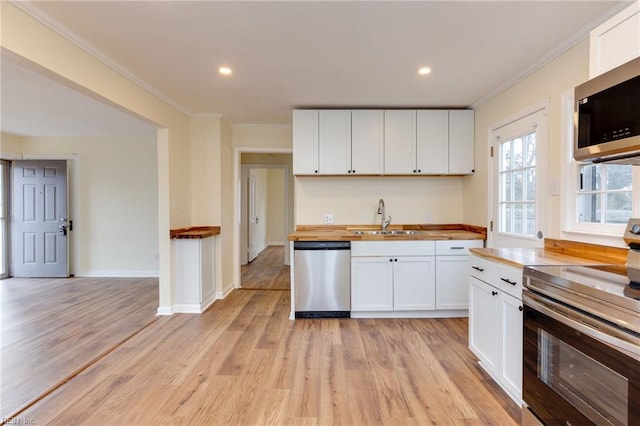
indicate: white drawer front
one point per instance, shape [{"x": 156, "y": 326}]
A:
[
  {"x": 454, "y": 247},
  {"x": 483, "y": 269},
  {"x": 392, "y": 248},
  {"x": 510, "y": 280}
]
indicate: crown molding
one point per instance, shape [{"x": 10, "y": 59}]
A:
[{"x": 30, "y": 9}]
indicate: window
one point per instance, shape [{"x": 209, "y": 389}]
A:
[
  {"x": 518, "y": 185},
  {"x": 604, "y": 194}
]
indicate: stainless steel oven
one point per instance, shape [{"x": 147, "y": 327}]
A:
[{"x": 581, "y": 345}]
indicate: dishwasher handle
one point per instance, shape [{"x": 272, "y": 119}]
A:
[{"x": 322, "y": 245}]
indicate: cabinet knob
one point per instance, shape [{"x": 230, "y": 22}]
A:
[
  {"x": 390, "y": 260},
  {"x": 353, "y": 171},
  {"x": 316, "y": 171},
  {"x": 419, "y": 171},
  {"x": 494, "y": 293},
  {"x": 520, "y": 308},
  {"x": 414, "y": 170}
]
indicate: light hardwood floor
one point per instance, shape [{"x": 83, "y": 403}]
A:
[
  {"x": 52, "y": 328},
  {"x": 267, "y": 271},
  {"x": 243, "y": 362}
]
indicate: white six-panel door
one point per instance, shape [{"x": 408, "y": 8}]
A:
[{"x": 40, "y": 242}]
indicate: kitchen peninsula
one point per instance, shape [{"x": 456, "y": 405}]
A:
[{"x": 403, "y": 271}]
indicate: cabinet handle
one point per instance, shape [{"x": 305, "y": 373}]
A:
[
  {"x": 494, "y": 293},
  {"x": 477, "y": 268},
  {"x": 508, "y": 281},
  {"x": 457, "y": 248},
  {"x": 520, "y": 308}
]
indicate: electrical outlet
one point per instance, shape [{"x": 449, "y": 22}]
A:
[
  {"x": 328, "y": 218},
  {"x": 428, "y": 218}
]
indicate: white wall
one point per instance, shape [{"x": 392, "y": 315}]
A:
[
  {"x": 548, "y": 83},
  {"x": 114, "y": 203}
]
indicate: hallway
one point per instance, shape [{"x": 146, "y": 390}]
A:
[{"x": 267, "y": 271}]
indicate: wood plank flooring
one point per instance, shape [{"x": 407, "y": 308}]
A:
[
  {"x": 52, "y": 328},
  {"x": 267, "y": 271},
  {"x": 243, "y": 362}
]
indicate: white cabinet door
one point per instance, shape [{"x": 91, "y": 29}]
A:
[
  {"x": 484, "y": 323},
  {"x": 371, "y": 284},
  {"x": 305, "y": 142},
  {"x": 615, "y": 42},
  {"x": 511, "y": 335},
  {"x": 367, "y": 142},
  {"x": 400, "y": 142},
  {"x": 334, "y": 142},
  {"x": 452, "y": 282},
  {"x": 461, "y": 142},
  {"x": 432, "y": 141},
  {"x": 414, "y": 283}
]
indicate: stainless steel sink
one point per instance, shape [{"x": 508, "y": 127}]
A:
[{"x": 386, "y": 232}]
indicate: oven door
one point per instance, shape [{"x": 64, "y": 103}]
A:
[{"x": 578, "y": 370}]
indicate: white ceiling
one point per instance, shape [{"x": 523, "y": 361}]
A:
[{"x": 309, "y": 54}]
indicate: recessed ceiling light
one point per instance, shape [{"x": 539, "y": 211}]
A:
[
  {"x": 225, "y": 70},
  {"x": 424, "y": 71}
]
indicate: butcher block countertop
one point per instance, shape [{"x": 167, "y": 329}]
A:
[
  {"x": 425, "y": 232},
  {"x": 555, "y": 252},
  {"x": 194, "y": 232}
]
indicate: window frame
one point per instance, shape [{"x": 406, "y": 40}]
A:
[{"x": 571, "y": 228}]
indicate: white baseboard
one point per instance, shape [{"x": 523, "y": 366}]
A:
[
  {"x": 225, "y": 291},
  {"x": 118, "y": 274},
  {"x": 164, "y": 310}
]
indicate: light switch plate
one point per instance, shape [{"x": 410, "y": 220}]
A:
[{"x": 328, "y": 218}]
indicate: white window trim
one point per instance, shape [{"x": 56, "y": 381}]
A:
[{"x": 571, "y": 229}]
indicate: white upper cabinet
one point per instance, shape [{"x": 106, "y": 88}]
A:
[
  {"x": 400, "y": 142},
  {"x": 305, "y": 142},
  {"x": 616, "y": 41},
  {"x": 379, "y": 142},
  {"x": 367, "y": 142},
  {"x": 461, "y": 141},
  {"x": 334, "y": 141},
  {"x": 432, "y": 141}
]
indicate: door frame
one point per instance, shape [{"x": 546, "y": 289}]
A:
[
  {"x": 244, "y": 206},
  {"x": 237, "y": 203},
  {"x": 541, "y": 167}
]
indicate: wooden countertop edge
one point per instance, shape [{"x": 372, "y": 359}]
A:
[
  {"x": 555, "y": 252},
  {"x": 343, "y": 232},
  {"x": 194, "y": 232}
]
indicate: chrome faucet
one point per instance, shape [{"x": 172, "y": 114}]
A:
[{"x": 385, "y": 222}]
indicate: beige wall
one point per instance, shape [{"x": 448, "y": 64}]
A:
[
  {"x": 10, "y": 144},
  {"x": 261, "y": 136},
  {"x": 226, "y": 279},
  {"x": 113, "y": 201},
  {"x": 354, "y": 200},
  {"x": 275, "y": 206},
  {"x": 548, "y": 83}
]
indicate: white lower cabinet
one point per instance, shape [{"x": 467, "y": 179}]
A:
[
  {"x": 410, "y": 278},
  {"x": 371, "y": 284},
  {"x": 452, "y": 278},
  {"x": 391, "y": 277},
  {"x": 495, "y": 322}
]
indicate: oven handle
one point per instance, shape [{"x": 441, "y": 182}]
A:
[{"x": 601, "y": 331}]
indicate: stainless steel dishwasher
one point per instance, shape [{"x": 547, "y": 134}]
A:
[{"x": 322, "y": 274}]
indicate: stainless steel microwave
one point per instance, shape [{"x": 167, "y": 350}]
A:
[{"x": 607, "y": 116}]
